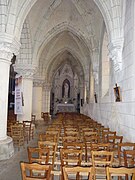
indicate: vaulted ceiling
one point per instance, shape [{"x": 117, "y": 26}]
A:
[{"x": 62, "y": 31}]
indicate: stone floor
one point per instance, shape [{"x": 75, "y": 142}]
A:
[{"x": 10, "y": 169}]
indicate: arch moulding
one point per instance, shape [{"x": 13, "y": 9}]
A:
[{"x": 52, "y": 63}]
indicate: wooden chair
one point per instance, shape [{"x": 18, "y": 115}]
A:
[
  {"x": 9, "y": 124},
  {"x": 38, "y": 155},
  {"x": 71, "y": 139},
  {"x": 129, "y": 158},
  {"x": 72, "y": 157},
  {"x": 124, "y": 146},
  {"x": 106, "y": 135},
  {"x": 90, "y": 133},
  {"x": 76, "y": 129},
  {"x": 120, "y": 172},
  {"x": 87, "y": 129},
  {"x": 52, "y": 146},
  {"x": 101, "y": 130},
  {"x": 27, "y": 170},
  {"x": 78, "y": 172},
  {"x": 48, "y": 137},
  {"x": 56, "y": 133},
  {"x": 71, "y": 133},
  {"x": 28, "y": 129},
  {"x": 89, "y": 140},
  {"x": 100, "y": 147},
  {"x": 114, "y": 142},
  {"x": 115, "y": 139},
  {"x": 101, "y": 159},
  {"x": 17, "y": 133},
  {"x": 73, "y": 145}
]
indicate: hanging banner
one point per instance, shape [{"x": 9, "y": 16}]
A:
[{"x": 18, "y": 95}]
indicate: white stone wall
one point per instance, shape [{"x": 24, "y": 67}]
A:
[{"x": 120, "y": 116}]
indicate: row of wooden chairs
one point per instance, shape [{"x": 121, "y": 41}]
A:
[
  {"x": 78, "y": 172},
  {"x": 21, "y": 132},
  {"x": 35, "y": 171},
  {"x": 110, "y": 138},
  {"x": 68, "y": 157},
  {"x": 71, "y": 146},
  {"x": 87, "y": 172}
]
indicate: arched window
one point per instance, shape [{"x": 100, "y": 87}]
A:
[{"x": 105, "y": 66}]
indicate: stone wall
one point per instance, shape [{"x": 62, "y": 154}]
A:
[{"x": 120, "y": 116}]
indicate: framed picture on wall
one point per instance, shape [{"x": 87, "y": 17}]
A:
[{"x": 117, "y": 93}]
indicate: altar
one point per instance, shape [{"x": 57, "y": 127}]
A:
[{"x": 65, "y": 107}]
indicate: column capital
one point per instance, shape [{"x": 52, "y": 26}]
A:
[
  {"x": 26, "y": 70},
  {"x": 115, "y": 53},
  {"x": 47, "y": 86},
  {"x": 8, "y": 46},
  {"x": 38, "y": 82}
]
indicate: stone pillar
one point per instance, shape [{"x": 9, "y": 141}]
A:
[
  {"x": 4, "y": 80},
  {"x": 6, "y": 143},
  {"x": 37, "y": 98},
  {"x": 46, "y": 98},
  {"x": 27, "y": 72}
]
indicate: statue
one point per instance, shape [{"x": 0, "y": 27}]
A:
[
  {"x": 117, "y": 93},
  {"x": 66, "y": 89}
]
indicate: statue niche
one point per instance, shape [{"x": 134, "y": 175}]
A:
[{"x": 66, "y": 89}]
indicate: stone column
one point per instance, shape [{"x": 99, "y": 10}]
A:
[
  {"x": 37, "y": 98},
  {"x": 27, "y": 72},
  {"x": 46, "y": 98},
  {"x": 6, "y": 143}
]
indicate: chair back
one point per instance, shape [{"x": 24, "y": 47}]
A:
[
  {"x": 72, "y": 157},
  {"x": 78, "y": 172},
  {"x": 52, "y": 146},
  {"x": 124, "y": 146},
  {"x": 101, "y": 159},
  {"x": 120, "y": 172},
  {"x": 38, "y": 155},
  {"x": 29, "y": 171},
  {"x": 129, "y": 158}
]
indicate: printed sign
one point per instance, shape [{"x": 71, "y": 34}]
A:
[{"x": 18, "y": 95}]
